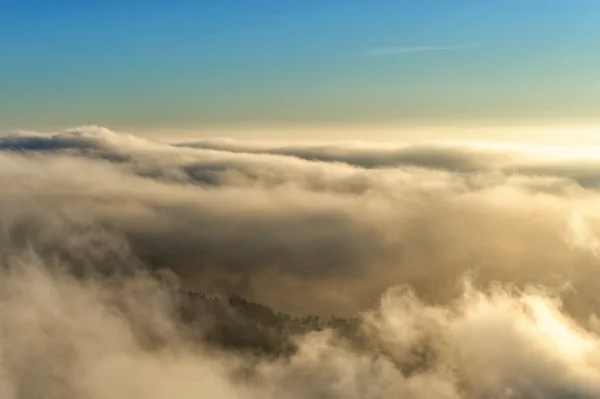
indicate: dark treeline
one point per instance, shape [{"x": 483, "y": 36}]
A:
[{"x": 235, "y": 323}]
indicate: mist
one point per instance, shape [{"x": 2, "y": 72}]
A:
[{"x": 473, "y": 269}]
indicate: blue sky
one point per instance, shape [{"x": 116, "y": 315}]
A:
[{"x": 194, "y": 64}]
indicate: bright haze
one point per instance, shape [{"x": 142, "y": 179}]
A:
[{"x": 427, "y": 170}]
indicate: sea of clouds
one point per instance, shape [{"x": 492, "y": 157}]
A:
[{"x": 485, "y": 255}]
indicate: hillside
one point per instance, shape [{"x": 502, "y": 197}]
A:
[{"x": 235, "y": 323}]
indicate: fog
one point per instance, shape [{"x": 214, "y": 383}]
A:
[{"x": 474, "y": 264}]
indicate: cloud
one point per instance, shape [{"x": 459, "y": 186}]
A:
[
  {"x": 340, "y": 222},
  {"x": 385, "y": 232},
  {"x": 68, "y": 338},
  {"x": 581, "y": 58},
  {"x": 386, "y": 51}
]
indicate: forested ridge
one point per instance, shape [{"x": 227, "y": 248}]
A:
[{"x": 234, "y": 323}]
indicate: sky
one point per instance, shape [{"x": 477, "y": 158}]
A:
[{"x": 232, "y": 65}]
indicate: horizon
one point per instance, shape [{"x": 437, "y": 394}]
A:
[{"x": 499, "y": 135}]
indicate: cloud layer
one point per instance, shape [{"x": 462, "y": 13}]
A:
[
  {"x": 85, "y": 213},
  {"x": 335, "y": 224}
]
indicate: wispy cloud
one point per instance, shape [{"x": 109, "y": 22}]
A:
[
  {"x": 385, "y": 51},
  {"x": 581, "y": 58}
]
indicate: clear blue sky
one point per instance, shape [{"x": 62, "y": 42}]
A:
[{"x": 133, "y": 64}]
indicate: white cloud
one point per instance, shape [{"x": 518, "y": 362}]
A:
[
  {"x": 386, "y": 51},
  {"x": 306, "y": 228}
]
